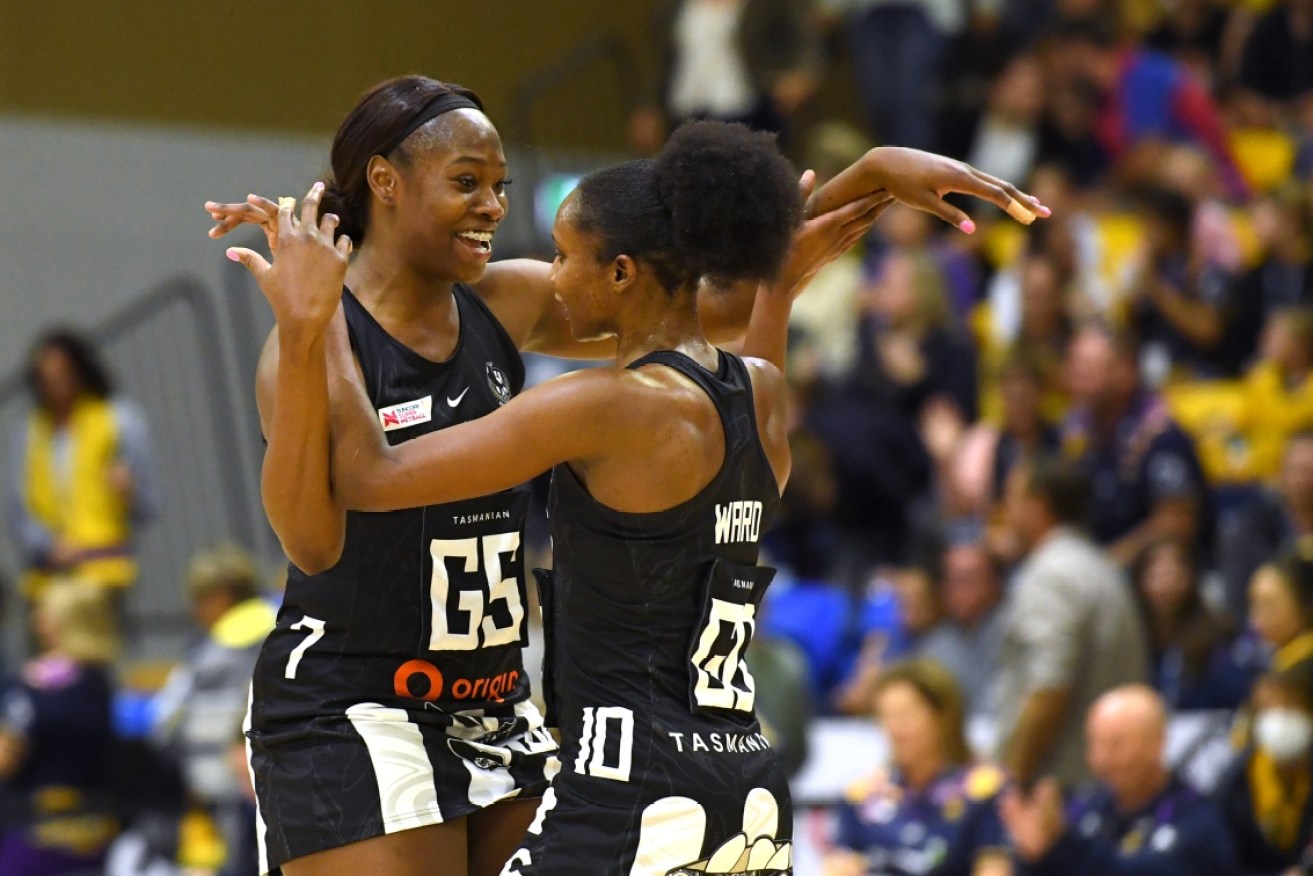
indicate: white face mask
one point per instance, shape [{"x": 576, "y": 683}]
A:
[{"x": 1285, "y": 734}]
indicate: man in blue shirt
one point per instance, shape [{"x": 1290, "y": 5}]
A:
[
  {"x": 1138, "y": 820},
  {"x": 1147, "y": 481}
]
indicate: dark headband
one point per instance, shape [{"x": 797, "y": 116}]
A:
[{"x": 436, "y": 106}]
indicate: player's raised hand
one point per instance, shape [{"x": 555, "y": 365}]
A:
[
  {"x": 921, "y": 180},
  {"x": 255, "y": 211},
  {"x": 304, "y": 284},
  {"x": 823, "y": 238}
]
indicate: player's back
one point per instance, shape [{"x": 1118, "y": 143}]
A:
[{"x": 649, "y": 614}]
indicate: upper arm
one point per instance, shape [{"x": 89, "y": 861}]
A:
[
  {"x": 529, "y": 435},
  {"x": 770, "y": 394},
  {"x": 266, "y": 373}
]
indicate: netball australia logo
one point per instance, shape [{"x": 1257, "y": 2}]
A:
[{"x": 497, "y": 382}]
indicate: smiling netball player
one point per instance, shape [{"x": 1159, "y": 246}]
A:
[{"x": 668, "y": 469}]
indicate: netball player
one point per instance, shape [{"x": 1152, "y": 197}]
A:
[
  {"x": 668, "y": 469},
  {"x": 419, "y": 168}
]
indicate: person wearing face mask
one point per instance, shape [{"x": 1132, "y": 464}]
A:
[{"x": 1265, "y": 796}]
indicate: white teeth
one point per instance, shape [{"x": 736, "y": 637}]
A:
[{"x": 477, "y": 236}]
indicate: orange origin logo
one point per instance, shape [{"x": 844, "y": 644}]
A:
[{"x": 421, "y": 680}]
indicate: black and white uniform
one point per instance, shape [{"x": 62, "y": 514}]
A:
[
  {"x": 664, "y": 768},
  {"x": 392, "y": 693}
]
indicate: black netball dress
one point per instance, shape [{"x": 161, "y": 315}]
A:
[
  {"x": 392, "y": 693},
  {"x": 664, "y": 768}
]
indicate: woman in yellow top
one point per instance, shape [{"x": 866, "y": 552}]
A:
[{"x": 80, "y": 480}]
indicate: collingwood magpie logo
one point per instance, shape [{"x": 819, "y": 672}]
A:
[{"x": 497, "y": 382}]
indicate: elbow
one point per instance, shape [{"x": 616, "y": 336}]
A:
[{"x": 314, "y": 559}]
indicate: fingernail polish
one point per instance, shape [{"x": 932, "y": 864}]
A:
[
  {"x": 968, "y": 226},
  {"x": 232, "y": 255}
]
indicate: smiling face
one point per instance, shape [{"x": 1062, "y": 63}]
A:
[
  {"x": 449, "y": 194},
  {"x": 585, "y": 286}
]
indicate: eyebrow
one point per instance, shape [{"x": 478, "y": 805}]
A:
[{"x": 474, "y": 159}]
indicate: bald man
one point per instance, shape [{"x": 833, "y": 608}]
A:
[{"x": 1138, "y": 820}]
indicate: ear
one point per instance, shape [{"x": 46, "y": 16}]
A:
[
  {"x": 623, "y": 272},
  {"x": 383, "y": 178}
]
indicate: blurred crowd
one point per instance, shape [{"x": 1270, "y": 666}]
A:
[{"x": 1056, "y": 479}]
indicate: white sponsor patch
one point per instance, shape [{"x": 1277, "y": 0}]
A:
[{"x": 406, "y": 414}]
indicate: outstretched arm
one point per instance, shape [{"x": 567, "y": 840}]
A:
[{"x": 527, "y": 436}]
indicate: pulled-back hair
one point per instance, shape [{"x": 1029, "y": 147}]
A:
[
  {"x": 719, "y": 202},
  {"x": 374, "y": 123}
]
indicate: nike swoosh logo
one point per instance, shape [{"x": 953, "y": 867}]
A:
[{"x": 455, "y": 401}]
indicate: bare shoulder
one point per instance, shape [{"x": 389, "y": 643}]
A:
[{"x": 516, "y": 291}]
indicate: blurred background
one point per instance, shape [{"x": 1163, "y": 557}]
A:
[{"x": 1136, "y": 371}]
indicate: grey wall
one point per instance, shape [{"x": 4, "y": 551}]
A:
[{"x": 90, "y": 215}]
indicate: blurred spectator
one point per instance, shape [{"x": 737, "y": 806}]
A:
[
  {"x": 203, "y": 704},
  {"x": 1192, "y": 32},
  {"x": 1138, "y": 819},
  {"x": 1283, "y": 225},
  {"x": 1277, "y": 64},
  {"x": 1146, "y": 476},
  {"x": 1213, "y": 239},
  {"x": 80, "y": 481},
  {"x": 1281, "y": 608},
  {"x": 1274, "y": 521},
  {"x": 967, "y": 641},
  {"x": 1005, "y": 142},
  {"x": 1146, "y": 100},
  {"x": 935, "y": 809},
  {"x": 1028, "y": 315},
  {"x": 825, "y": 345},
  {"x": 974, "y": 465},
  {"x": 910, "y": 340},
  {"x": 1265, "y": 796},
  {"x": 784, "y": 697},
  {"x": 1177, "y": 302},
  {"x": 1278, "y": 390},
  {"x": 907, "y": 355},
  {"x": 918, "y": 610},
  {"x": 1071, "y": 632},
  {"x": 1193, "y": 662},
  {"x": 803, "y": 536},
  {"x": 1069, "y": 133},
  {"x": 750, "y": 61},
  {"x": 56, "y": 738},
  {"x": 897, "y": 49}
]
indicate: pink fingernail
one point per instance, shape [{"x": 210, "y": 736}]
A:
[
  {"x": 232, "y": 254},
  {"x": 968, "y": 226}
]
